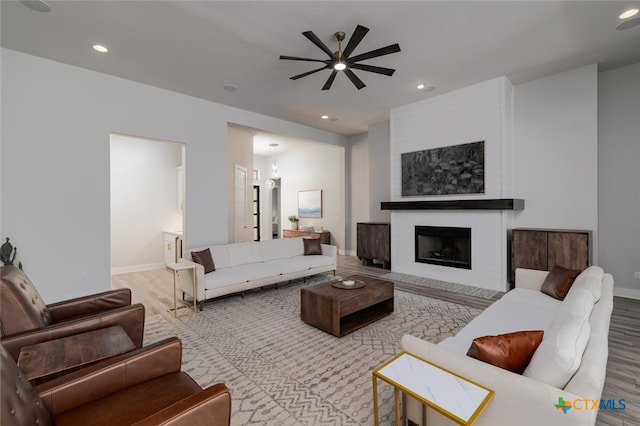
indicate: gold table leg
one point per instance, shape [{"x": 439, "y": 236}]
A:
[{"x": 375, "y": 401}]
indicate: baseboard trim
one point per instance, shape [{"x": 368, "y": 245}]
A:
[
  {"x": 137, "y": 268},
  {"x": 629, "y": 293}
]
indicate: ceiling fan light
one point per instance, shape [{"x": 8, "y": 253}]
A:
[
  {"x": 339, "y": 66},
  {"x": 629, "y": 13}
]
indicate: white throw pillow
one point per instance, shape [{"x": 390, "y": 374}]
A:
[{"x": 559, "y": 355}]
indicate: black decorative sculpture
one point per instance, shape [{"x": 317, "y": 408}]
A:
[{"x": 8, "y": 254}]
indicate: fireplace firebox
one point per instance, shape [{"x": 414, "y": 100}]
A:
[{"x": 445, "y": 246}]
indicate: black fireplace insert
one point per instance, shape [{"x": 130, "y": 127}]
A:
[{"x": 443, "y": 245}]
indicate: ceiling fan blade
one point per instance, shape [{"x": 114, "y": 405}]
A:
[
  {"x": 356, "y": 38},
  {"x": 329, "y": 82},
  {"x": 371, "y": 68},
  {"x": 304, "y": 74},
  {"x": 375, "y": 53},
  {"x": 296, "y": 58},
  {"x": 354, "y": 79},
  {"x": 315, "y": 40}
]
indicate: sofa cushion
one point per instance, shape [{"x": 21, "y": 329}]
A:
[
  {"x": 525, "y": 310},
  {"x": 312, "y": 247},
  {"x": 204, "y": 258},
  {"x": 244, "y": 253},
  {"x": 591, "y": 280},
  {"x": 558, "y": 282},
  {"x": 274, "y": 249},
  {"x": 293, "y": 246},
  {"x": 511, "y": 351},
  {"x": 559, "y": 355}
]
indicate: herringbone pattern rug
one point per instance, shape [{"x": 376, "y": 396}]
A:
[{"x": 282, "y": 371}]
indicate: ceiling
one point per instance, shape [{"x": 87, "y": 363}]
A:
[{"x": 196, "y": 48}]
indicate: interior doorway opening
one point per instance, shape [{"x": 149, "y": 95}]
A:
[{"x": 147, "y": 202}]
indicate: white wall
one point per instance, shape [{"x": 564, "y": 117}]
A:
[
  {"x": 315, "y": 167},
  {"x": 556, "y": 151},
  {"x": 619, "y": 176},
  {"x": 369, "y": 179},
  {"x": 359, "y": 191},
  {"x": 481, "y": 112},
  {"x": 144, "y": 201},
  {"x": 56, "y": 122}
]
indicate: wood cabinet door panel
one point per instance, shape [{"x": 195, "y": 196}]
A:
[
  {"x": 530, "y": 250},
  {"x": 570, "y": 250}
]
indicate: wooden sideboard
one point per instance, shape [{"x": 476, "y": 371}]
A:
[
  {"x": 374, "y": 243},
  {"x": 543, "y": 248},
  {"x": 324, "y": 236}
]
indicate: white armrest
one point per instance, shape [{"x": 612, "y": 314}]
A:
[
  {"x": 186, "y": 283},
  {"x": 329, "y": 250},
  {"x": 531, "y": 279},
  {"x": 518, "y": 400}
]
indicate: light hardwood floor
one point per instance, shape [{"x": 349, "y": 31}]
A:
[{"x": 155, "y": 290}]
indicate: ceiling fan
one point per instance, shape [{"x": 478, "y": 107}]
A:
[{"x": 342, "y": 61}]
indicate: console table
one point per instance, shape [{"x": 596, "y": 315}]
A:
[
  {"x": 324, "y": 236},
  {"x": 459, "y": 399},
  {"x": 45, "y": 359}
]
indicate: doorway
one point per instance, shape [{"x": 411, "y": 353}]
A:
[
  {"x": 146, "y": 202},
  {"x": 275, "y": 209}
]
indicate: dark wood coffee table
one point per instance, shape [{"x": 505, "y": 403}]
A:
[
  {"x": 49, "y": 359},
  {"x": 341, "y": 311}
]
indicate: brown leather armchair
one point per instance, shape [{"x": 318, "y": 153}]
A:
[
  {"x": 26, "y": 320},
  {"x": 143, "y": 387}
]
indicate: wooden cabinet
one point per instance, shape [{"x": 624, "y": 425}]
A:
[
  {"x": 374, "y": 243},
  {"x": 543, "y": 248},
  {"x": 325, "y": 236}
]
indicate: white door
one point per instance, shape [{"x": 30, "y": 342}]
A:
[{"x": 240, "y": 210}]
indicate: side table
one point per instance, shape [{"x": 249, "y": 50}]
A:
[
  {"x": 457, "y": 398},
  {"x": 52, "y": 357},
  {"x": 178, "y": 269}
]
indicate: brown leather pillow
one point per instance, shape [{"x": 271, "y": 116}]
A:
[
  {"x": 511, "y": 351},
  {"x": 559, "y": 281},
  {"x": 312, "y": 246},
  {"x": 204, "y": 258}
]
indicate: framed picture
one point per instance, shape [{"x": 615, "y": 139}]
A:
[
  {"x": 457, "y": 169},
  {"x": 310, "y": 203}
]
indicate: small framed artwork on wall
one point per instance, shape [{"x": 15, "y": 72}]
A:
[{"x": 310, "y": 203}]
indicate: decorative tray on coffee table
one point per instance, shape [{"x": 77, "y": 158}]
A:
[{"x": 348, "y": 284}]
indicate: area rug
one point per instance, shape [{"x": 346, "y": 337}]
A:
[
  {"x": 281, "y": 371},
  {"x": 443, "y": 285}
]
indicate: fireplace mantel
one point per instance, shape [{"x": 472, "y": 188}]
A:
[{"x": 475, "y": 204}]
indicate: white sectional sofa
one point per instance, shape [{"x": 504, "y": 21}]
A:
[
  {"x": 582, "y": 318},
  {"x": 244, "y": 266}
]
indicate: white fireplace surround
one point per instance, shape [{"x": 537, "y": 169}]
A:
[{"x": 479, "y": 112}]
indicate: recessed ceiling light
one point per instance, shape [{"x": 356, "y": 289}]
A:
[
  {"x": 325, "y": 117},
  {"x": 100, "y": 48},
  {"x": 628, "y": 13},
  {"x": 420, "y": 86},
  {"x": 229, "y": 87},
  {"x": 36, "y": 5}
]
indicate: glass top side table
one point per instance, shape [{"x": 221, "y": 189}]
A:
[{"x": 457, "y": 398}]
